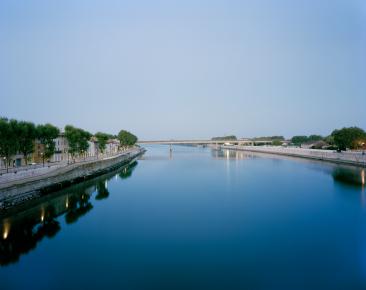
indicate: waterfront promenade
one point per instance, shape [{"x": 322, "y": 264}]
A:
[
  {"x": 346, "y": 157},
  {"x": 25, "y": 173},
  {"x": 16, "y": 188}
]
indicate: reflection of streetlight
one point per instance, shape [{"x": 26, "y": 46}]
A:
[
  {"x": 6, "y": 230},
  {"x": 42, "y": 214}
]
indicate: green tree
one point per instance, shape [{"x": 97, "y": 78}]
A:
[
  {"x": 269, "y": 138},
  {"x": 126, "y": 138},
  {"x": 277, "y": 142},
  {"x": 230, "y": 137},
  {"x": 78, "y": 139},
  {"x": 102, "y": 140},
  {"x": 348, "y": 137},
  {"x": 46, "y": 135},
  {"x": 314, "y": 138},
  {"x": 27, "y": 134},
  {"x": 9, "y": 144},
  {"x": 329, "y": 139},
  {"x": 298, "y": 140}
]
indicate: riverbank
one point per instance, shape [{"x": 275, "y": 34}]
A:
[
  {"x": 17, "y": 191},
  {"x": 351, "y": 158}
]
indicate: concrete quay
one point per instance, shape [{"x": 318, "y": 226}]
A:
[
  {"x": 16, "y": 191},
  {"x": 348, "y": 157}
]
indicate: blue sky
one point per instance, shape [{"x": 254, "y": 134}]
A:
[{"x": 185, "y": 69}]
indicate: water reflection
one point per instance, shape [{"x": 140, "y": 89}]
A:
[
  {"x": 230, "y": 154},
  {"x": 102, "y": 190},
  {"x": 349, "y": 175},
  {"x": 345, "y": 174},
  {"x": 22, "y": 229}
]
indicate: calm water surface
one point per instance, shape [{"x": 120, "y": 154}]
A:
[{"x": 194, "y": 219}]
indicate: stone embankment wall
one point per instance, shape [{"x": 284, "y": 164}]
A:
[
  {"x": 354, "y": 158},
  {"x": 62, "y": 177}
]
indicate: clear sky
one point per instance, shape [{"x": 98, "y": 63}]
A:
[{"x": 185, "y": 69}]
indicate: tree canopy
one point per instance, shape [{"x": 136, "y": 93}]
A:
[
  {"x": 314, "y": 138},
  {"x": 351, "y": 137},
  {"x": 78, "y": 139},
  {"x": 126, "y": 138},
  {"x": 299, "y": 139},
  {"x": 102, "y": 139},
  {"x": 9, "y": 144},
  {"x": 229, "y": 137},
  {"x": 27, "y": 133},
  {"x": 269, "y": 138},
  {"x": 46, "y": 135}
]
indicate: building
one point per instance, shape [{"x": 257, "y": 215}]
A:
[
  {"x": 61, "y": 148},
  {"x": 112, "y": 146},
  {"x": 93, "y": 147}
]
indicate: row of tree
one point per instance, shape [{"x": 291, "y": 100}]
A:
[
  {"x": 351, "y": 137},
  {"x": 229, "y": 137},
  {"x": 19, "y": 137},
  {"x": 341, "y": 139}
]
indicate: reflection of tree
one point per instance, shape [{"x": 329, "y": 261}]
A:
[
  {"x": 25, "y": 238},
  {"x": 22, "y": 232},
  {"x": 78, "y": 206},
  {"x": 351, "y": 176},
  {"x": 102, "y": 191},
  {"x": 126, "y": 172}
]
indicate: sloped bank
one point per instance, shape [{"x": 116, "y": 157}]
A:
[{"x": 18, "y": 192}]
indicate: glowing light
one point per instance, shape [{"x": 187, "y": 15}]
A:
[
  {"x": 42, "y": 215},
  {"x": 6, "y": 230},
  {"x": 363, "y": 176},
  {"x": 67, "y": 202}
]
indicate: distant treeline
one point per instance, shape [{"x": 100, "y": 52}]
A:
[
  {"x": 351, "y": 138},
  {"x": 269, "y": 138},
  {"x": 230, "y": 137},
  {"x": 340, "y": 139}
]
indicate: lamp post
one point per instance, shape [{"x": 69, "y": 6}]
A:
[{"x": 5, "y": 164}]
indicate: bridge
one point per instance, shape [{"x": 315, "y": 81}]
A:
[{"x": 206, "y": 142}]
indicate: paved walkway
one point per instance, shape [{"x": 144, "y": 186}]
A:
[{"x": 27, "y": 174}]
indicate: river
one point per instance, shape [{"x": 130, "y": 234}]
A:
[{"x": 194, "y": 218}]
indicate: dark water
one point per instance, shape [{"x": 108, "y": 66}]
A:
[{"x": 195, "y": 219}]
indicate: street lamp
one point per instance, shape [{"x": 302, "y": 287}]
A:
[
  {"x": 42, "y": 154},
  {"x": 5, "y": 164}
]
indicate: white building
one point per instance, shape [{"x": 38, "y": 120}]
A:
[
  {"x": 93, "y": 147},
  {"x": 61, "y": 148},
  {"x": 112, "y": 146}
]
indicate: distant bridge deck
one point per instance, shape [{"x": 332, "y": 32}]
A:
[{"x": 203, "y": 142}]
